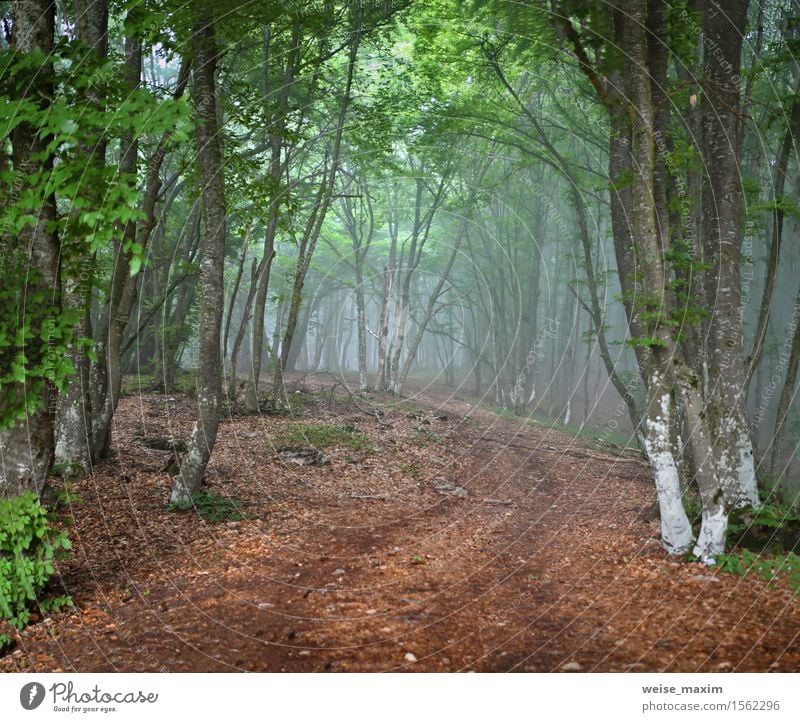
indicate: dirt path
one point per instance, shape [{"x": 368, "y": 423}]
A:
[{"x": 377, "y": 561}]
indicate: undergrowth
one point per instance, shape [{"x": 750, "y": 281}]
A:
[
  {"x": 762, "y": 542},
  {"x": 320, "y": 436},
  {"x": 29, "y": 544},
  {"x": 770, "y": 568},
  {"x": 211, "y": 507}
]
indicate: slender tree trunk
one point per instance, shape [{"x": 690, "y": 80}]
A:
[
  {"x": 247, "y": 312},
  {"x": 319, "y": 212},
  {"x": 676, "y": 531},
  {"x": 234, "y": 293},
  {"x": 790, "y": 140},
  {"x": 361, "y": 313},
  {"x": 74, "y": 414},
  {"x": 276, "y": 169},
  {"x": 430, "y": 310},
  {"x": 209, "y": 154},
  {"x": 393, "y": 223},
  {"x": 787, "y": 392},
  {"x": 107, "y": 371}
]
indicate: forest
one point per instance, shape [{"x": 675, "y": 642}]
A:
[{"x": 418, "y": 335}]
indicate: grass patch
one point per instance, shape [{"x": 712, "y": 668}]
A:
[
  {"x": 404, "y": 407},
  {"x": 321, "y": 436},
  {"x": 505, "y": 413},
  {"x": 598, "y": 438},
  {"x": 211, "y": 507},
  {"x": 186, "y": 381}
]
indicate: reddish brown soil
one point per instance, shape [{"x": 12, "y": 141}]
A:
[{"x": 545, "y": 565}]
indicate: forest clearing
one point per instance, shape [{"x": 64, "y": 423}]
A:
[{"x": 399, "y": 335}]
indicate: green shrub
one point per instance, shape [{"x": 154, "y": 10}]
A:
[{"x": 29, "y": 542}]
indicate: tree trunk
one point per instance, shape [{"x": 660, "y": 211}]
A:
[
  {"x": 27, "y": 447},
  {"x": 788, "y": 390},
  {"x": 74, "y": 411},
  {"x": 430, "y": 310},
  {"x": 209, "y": 154},
  {"x": 722, "y": 227},
  {"x": 276, "y": 169},
  {"x": 107, "y": 371},
  {"x": 314, "y": 225},
  {"x": 790, "y": 140}
]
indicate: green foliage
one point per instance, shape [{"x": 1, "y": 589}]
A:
[
  {"x": 768, "y": 516},
  {"x": 770, "y": 526},
  {"x": 5, "y": 642},
  {"x": 645, "y": 342},
  {"x": 34, "y": 337},
  {"x": 211, "y": 507},
  {"x": 770, "y": 568},
  {"x": 321, "y": 436},
  {"x": 89, "y": 103},
  {"x": 29, "y": 543}
]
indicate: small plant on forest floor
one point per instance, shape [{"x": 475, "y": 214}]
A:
[
  {"x": 427, "y": 438},
  {"x": 410, "y": 469},
  {"x": 211, "y": 507},
  {"x": 505, "y": 413},
  {"x": 770, "y": 568},
  {"x": 321, "y": 436},
  {"x": 29, "y": 544}
]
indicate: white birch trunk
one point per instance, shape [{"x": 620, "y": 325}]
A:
[{"x": 676, "y": 531}]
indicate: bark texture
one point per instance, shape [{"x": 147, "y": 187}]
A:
[
  {"x": 209, "y": 158},
  {"x": 27, "y": 448},
  {"x": 74, "y": 424}
]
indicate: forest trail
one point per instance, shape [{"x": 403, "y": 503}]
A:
[{"x": 378, "y": 561}]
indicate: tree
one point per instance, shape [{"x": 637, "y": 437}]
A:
[
  {"x": 209, "y": 160},
  {"x": 74, "y": 415},
  {"x": 31, "y": 320},
  {"x": 713, "y": 411}
]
